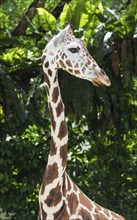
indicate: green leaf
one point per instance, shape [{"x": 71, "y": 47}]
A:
[
  {"x": 47, "y": 20},
  {"x": 66, "y": 15}
]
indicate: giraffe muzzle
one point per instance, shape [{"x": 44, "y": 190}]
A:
[{"x": 100, "y": 78}]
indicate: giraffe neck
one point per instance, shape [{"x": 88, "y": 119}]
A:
[{"x": 59, "y": 133}]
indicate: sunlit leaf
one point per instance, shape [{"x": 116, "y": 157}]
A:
[
  {"x": 48, "y": 21},
  {"x": 66, "y": 15}
]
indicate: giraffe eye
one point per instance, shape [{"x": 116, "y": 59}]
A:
[{"x": 74, "y": 49}]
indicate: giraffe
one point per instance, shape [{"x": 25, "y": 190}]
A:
[{"x": 59, "y": 196}]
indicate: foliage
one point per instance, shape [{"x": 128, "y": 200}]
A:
[{"x": 101, "y": 121}]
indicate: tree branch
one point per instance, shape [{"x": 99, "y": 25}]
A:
[
  {"x": 2, "y": 2},
  {"x": 58, "y": 9},
  {"x": 22, "y": 26}
]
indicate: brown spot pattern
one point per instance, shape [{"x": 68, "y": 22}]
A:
[
  {"x": 83, "y": 70},
  {"x": 44, "y": 215},
  {"x": 64, "y": 185},
  {"x": 59, "y": 108},
  {"x": 115, "y": 215},
  {"x": 84, "y": 200},
  {"x": 68, "y": 63},
  {"x": 88, "y": 62},
  {"x": 53, "y": 148},
  {"x": 55, "y": 94},
  {"x": 52, "y": 61},
  {"x": 76, "y": 72},
  {"x": 47, "y": 64},
  {"x": 106, "y": 212},
  {"x": 51, "y": 54},
  {"x": 62, "y": 214},
  {"x": 62, "y": 64},
  {"x": 63, "y": 155},
  {"x": 76, "y": 65},
  {"x": 54, "y": 196},
  {"x": 62, "y": 130},
  {"x": 63, "y": 56},
  {"x": 85, "y": 215},
  {"x": 46, "y": 79},
  {"x": 75, "y": 188},
  {"x": 70, "y": 70},
  {"x": 50, "y": 72},
  {"x": 55, "y": 79},
  {"x": 72, "y": 203},
  {"x": 51, "y": 173},
  {"x": 82, "y": 64},
  {"x": 52, "y": 118},
  {"x": 57, "y": 56},
  {"x": 94, "y": 65},
  {"x": 98, "y": 208},
  {"x": 69, "y": 184},
  {"x": 43, "y": 58}
]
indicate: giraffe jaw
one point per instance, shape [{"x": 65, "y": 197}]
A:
[{"x": 100, "y": 79}]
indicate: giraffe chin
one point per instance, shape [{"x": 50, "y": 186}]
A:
[{"x": 101, "y": 80}]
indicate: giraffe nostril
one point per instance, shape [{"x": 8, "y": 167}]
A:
[{"x": 103, "y": 72}]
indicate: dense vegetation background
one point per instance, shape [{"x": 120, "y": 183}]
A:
[{"x": 102, "y": 122}]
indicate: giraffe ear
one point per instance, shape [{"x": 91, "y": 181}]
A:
[{"x": 62, "y": 35}]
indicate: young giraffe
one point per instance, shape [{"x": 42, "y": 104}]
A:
[{"x": 59, "y": 197}]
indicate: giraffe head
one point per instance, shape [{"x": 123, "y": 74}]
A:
[{"x": 70, "y": 53}]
